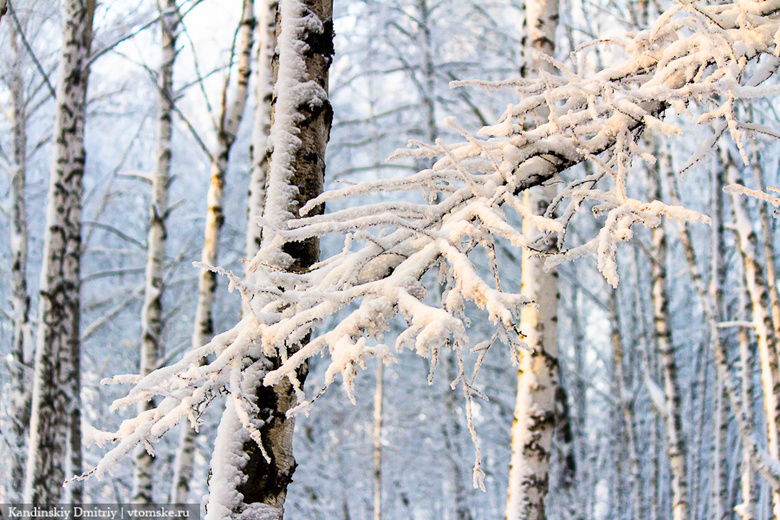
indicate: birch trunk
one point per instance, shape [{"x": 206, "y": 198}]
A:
[
  {"x": 675, "y": 443},
  {"x": 532, "y": 428},
  {"x": 762, "y": 321},
  {"x": 152, "y": 311},
  {"x": 429, "y": 72},
  {"x": 740, "y": 399},
  {"x": 720, "y": 509},
  {"x": 534, "y": 415},
  {"x": 256, "y": 484},
  {"x": 769, "y": 250},
  {"x": 747, "y": 509},
  {"x": 626, "y": 412},
  {"x": 262, "y": 123},
  {"x": 21, "y": 346},
  {"x": 229, "y": 121},
  {"x": 53, "y": 398}
]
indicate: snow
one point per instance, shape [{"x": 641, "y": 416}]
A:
[
  {"x": 227, "y": 461},
  {"x": 292, "y": 89}
]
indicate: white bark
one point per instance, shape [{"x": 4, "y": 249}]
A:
[
  {"x": 762, "y": 321},
  {"x": 625, "y": 407},
  {"x": 746, "y": 509},
  {"x": 262, "y": 123},
  {"x": 21, "y": 346},
  {"x": 53, "y": 400},
  {"x": 720, "y": 490},
  {"x": 720, "y": 510},
  {"x": 152, "y": 311},
  {"x": 532, "y": 428},
  {"x": 378, "y": 398},
  {"x": 739, "y": 399},
  {"x": 675, "y": 442},
  {"x": 534, "y": 415},
  {"x": 769, "y": 251},
  {"x": 229, "y": 121}
]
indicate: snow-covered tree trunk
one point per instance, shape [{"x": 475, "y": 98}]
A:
[
  {"x": 230, "y": 118},
  {"x": 253, "y": 461},
  {"x": 672, "y": 415},
  {"x": 152, "y": 311},
  {"x": 262, "y": 123},
  {"x": 762, "y": 320},
  {"x": 58, "y": 336},
  {"x": 21, "y": 346},
  {"x": 534, "y": 415}
]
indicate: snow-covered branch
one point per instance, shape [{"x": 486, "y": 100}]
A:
[{"x": 695, "y": 54}]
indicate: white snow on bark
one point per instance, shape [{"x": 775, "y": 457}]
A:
[{"x": 292, "y": 89}]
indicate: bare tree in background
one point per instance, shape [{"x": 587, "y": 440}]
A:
[
  {"x": 231, "y": 114},
  {"x": 21, "y": 348},
  {"x": 152, "y": 311}
]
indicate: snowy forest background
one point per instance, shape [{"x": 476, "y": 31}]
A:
[{"x": 390, "y": 83}]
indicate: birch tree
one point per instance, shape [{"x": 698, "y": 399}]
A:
[
  {"x": 231, "y": 114},
  {"x": 253, "y": 461},
  {"x": 534, "y": 416},
  {"x": 57, "y": 347},
  {"x": 671, "y": 412},
  {"x": 762, "y": 320},
  {"x": 262, "y": 123},
  {"x": 720, "y": 412},
  {"x": 152, "y": 311},
  {"x": 21, "y": 347}
]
